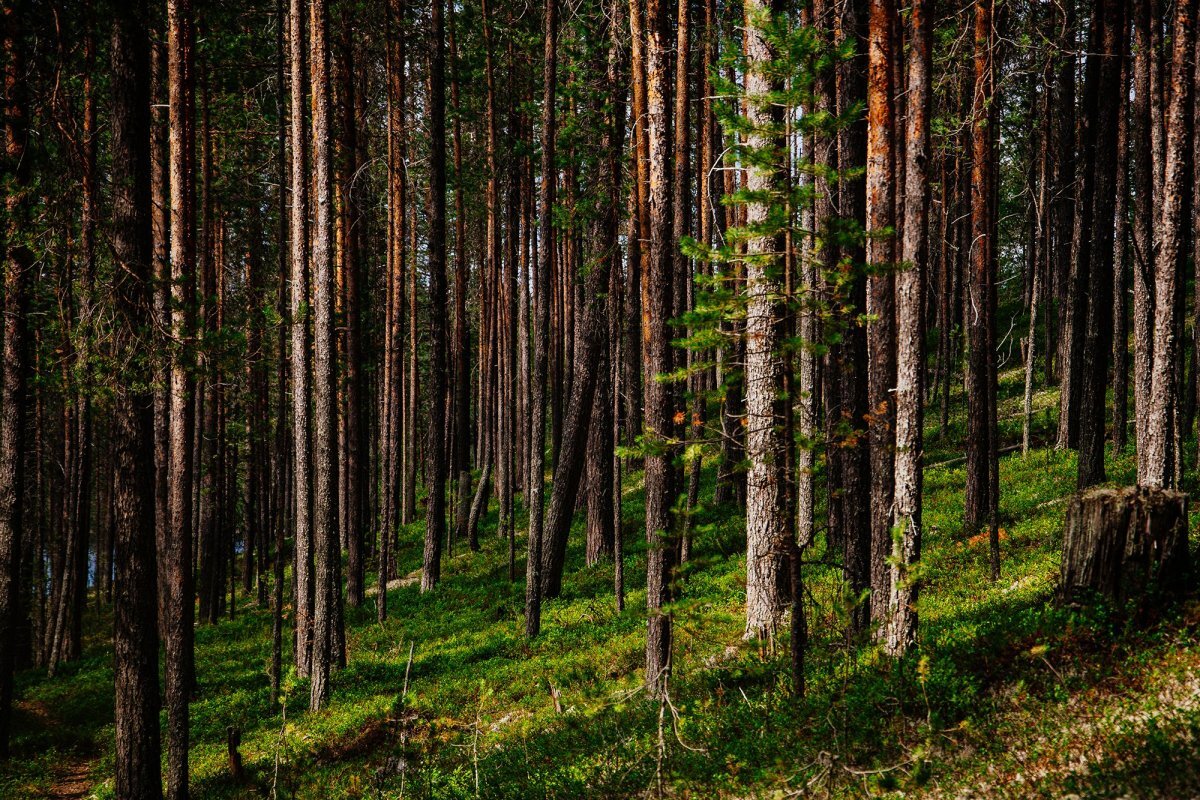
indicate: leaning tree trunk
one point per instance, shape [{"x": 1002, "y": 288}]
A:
[
  {"x": 1123, "y": 543},
  {"x": 569, "y": 470}
]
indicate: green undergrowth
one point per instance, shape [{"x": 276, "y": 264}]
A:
[{"x": 1007, "y": 694}]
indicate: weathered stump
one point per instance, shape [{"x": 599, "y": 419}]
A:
[
  {"x": 1122, "y": 543},
  {"x": 233, "y": 740}
]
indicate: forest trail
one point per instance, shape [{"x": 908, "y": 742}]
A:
[
  {"x": 71, "y": 775},
  {"x": 396, "y": 583},
  {"x": 72, "y": 780}
]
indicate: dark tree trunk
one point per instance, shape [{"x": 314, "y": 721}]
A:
[
  {"x": 392, "y": 448},
  {"x": 499, "y": 363},
  {"x": 541, "y": 327},
  {"x": 849, "y": 371},
  {"x": 590, "y": 364},
  {"x": 1120, "y": 330},
  {"x": 15, "y": 354},
  {"x": 1094, "y": 256},
  {"x": 352, "y": 224},
  {"x": 207, "y": 559},
  {"x": 135, "y": 640},
  {"x": 161, "y": 227},
  {"x": 981, "y": 385},
  {"x": 435, "y": 479},
  {"x": 1062, "y": 220},
  {"x": 279, "y": 459},
  {"x": 657, "y": 307},
  {"x": 460, "y": 468}
]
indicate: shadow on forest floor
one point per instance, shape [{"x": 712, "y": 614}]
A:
[{"x": 1008, "y": 695}]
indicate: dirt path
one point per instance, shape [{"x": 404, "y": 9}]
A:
[
  {"x": 72, "y": 780},
  {"x": 71, "y": 775}
]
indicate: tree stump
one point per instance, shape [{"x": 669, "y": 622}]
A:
[
  {"x": 1123, "y": 543},
  {"x": 233, "y": 740}
]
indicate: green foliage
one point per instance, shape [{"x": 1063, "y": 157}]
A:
[{"x": 1002, "y": 676}]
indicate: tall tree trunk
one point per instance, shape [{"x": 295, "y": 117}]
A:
[
  {"x": 1120, "y": 354},
  {"x": 681, "y": 225},
  {"x": 1168, "y": 252},
  {"x": 1062, "y": 203},
  {"x": 352, "y": 223},
  {"x": 176, "y": 560},
  {"x": 901, "y": 621},
  {"x": 541, "y": 326},
  {"x": 461, "y": 466},
  {"x": 413, "y": 384},
  {"x": 135, "y": 639},
  {"x": 881, "y": 298},
  {"x": 767, "y": 531},
  {"x": 1195, "y": 387},
  {"x": 657, "y": 306},
  {"x": 299, "y": 310},
  {"x": 588, "y": 360},
  {"x": 392, "y": 450},
  {"x": 1098, "y": 140},
  {"x": 161, "y": 228},
  {"x": 824, "y": 257},
  {"x": 981, "y": 389},
  {"x": 324, "y": 522},
  {"x": 435, "y": 479},
  {"x": 15, "y": 353},
  {"x": 207, "y": 559},
  {"x": 1143, "y": 227},
  {"x": 279, "y": 459},
  {"x": 1039, "y": 193},
  {"x": 850, "y": 368},
  {"x": 503, "y": 419}
]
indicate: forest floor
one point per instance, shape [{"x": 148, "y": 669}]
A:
[{"x": 1008, "y": 696}]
